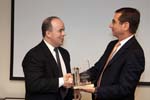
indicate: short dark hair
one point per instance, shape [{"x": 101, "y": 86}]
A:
[
  {"x": 130, "y": 15},
  {"x": 46, "y": 25}
]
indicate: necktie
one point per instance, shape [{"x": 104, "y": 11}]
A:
[
  {"x": 63, "y": 91},
  {"x": 58, "y": 62},
  {"x": 109, "y": 58}
]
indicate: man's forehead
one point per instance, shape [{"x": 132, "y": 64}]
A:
[{"x": 57, "y": 23}]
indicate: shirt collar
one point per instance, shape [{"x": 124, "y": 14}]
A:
[
  {"x": 125, "y": 40},
  {"x": 51, "y": 48}
]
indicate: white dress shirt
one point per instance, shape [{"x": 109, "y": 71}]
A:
[{"x": 63, "y": 67}]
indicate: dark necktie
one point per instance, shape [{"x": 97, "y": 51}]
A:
[
  {"x": 58, "y": 62},
  {"x": 63, "y": 91}
]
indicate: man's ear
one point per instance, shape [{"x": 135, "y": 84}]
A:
[
  {"x": 126, "y": 26},
  {"x": 48, "y": 33}
]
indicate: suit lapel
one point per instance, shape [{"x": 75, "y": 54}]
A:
[
  {"x": 49, "y": 57},
  {"x": 66, "y": 60}
]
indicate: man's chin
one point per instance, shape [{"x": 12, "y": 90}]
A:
[{"x": 61, "y": 44}]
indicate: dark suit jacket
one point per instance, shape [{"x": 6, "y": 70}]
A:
[
  {"x": 41, "y": 73},
  {"x": 122, "y": 74}
]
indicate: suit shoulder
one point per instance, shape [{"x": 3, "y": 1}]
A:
[
  {"x": 112, "y": 43},
  {"x": 36, "y": 50},
  {"x": 35, "y": 53}
]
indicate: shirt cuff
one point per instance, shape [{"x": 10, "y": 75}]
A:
[{"x": 61, "y": 81}]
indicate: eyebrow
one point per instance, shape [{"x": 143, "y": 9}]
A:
[{"x": 62, "y": 29}]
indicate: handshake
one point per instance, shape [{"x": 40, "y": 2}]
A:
[
  {"x": 73, "y": 80},
  {"x": 76, "y": 79},
  {"x": 68, "y": 80}
]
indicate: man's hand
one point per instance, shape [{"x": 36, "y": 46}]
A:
[
  {"x": 68, "y": 80},
  {"x": 88, "y": 89}
]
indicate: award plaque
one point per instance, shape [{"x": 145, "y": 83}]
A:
[
  {"x": 81, "y": 80},
  {"x": 76, "y": 76}
]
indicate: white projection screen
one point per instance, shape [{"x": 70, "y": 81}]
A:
[{"x": 86, "y": 26}]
